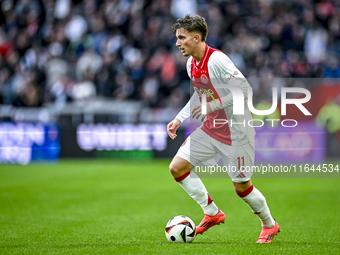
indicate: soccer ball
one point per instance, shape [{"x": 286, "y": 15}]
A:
[{"x": 180, "y": 229}]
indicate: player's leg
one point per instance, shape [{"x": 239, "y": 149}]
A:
[
  {"x": 241, "y": 160},
  {"x": 257, "y": 203},
  {"x": 180, "y": 168}
]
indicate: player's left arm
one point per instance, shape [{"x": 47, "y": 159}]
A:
[{"x": 224, "y": 72}]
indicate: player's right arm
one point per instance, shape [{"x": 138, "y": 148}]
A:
[
  {"x": 187, "y": 109},
  {"x": 172, "y": 128},
  {"x": 182, "y": 115}
]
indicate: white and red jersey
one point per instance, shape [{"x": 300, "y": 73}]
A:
[{"x": 216, "y": 68}]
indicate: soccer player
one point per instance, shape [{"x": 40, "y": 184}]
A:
[{"x": 234, "y": 143}]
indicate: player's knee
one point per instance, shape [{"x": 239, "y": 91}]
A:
[
  {"x": 174, "y": 169},
  {"x": 177, "y": 170},
  {"x": 242, "y": 187},
  {"x": 238, "y": 189}
]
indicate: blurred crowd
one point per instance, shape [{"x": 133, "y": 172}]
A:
[{"x": 66, "y": 50}]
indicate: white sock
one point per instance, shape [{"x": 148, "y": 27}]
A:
[
  {"x": 257, "y": 203},
  {"x": 196, "y": 189}
]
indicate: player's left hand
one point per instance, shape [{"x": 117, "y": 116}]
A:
[{"x": 197, "y": 111}]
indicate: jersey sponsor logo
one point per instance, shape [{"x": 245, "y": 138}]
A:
[
  {"x": 207, "y": 91},
  {"x": 201, "y": 91}
]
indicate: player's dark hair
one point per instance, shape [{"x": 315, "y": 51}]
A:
[{"x": 192, "y": 24}]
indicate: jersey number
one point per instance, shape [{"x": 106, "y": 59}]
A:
[{"x": 239, "y": 162}]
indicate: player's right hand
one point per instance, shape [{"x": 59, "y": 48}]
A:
[{"x": 172, "y": 128}]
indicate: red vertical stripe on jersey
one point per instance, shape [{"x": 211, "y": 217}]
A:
[
  {"x": 206, "y": 53},
  {"x": 181, "y": 178},
  {"x": 246, "y": 192},
  {"x": 219, "y": 132}
]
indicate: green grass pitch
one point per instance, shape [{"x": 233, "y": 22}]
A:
[{"x": 122, "y": 207}]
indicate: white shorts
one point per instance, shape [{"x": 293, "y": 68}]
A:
[{"x": 200, "y": 147}]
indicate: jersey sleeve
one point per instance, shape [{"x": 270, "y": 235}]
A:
[
  {"x": 223, "y": 71},
  {"x": 186, "y": 111}
]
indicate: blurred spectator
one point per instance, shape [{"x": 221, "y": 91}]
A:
[
  {"x": 62, "y": 90},
  {"x": 125, "y": 88},
  {"x": 62, "y": 9},
  {"x": 332, "y": 67},
  {"x": 149, "y": 90},
  {"x": 84, "y": 90},
  {"x": 181, "y": 7},
  {"x": 31, "y": 94},
  {"x": 75, "y": 28},
  {"x": 5, "y": 93},
  {"x": 88, "y": 65},
  {"x": 56, "y": 66},
  {"x": 316, "y": 44}
]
